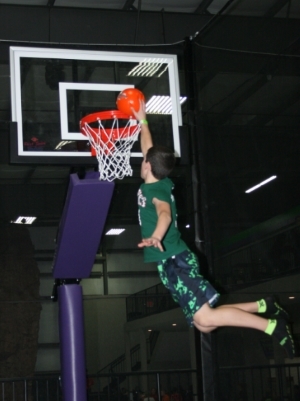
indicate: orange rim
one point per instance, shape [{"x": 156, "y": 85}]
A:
[{"x": 108, "y": 133}]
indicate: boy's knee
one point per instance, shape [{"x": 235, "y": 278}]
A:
[
  {"x": 203, "y": 317},
  {"x": 204, "y": 323},
  {"x": 203, "y": 329}
]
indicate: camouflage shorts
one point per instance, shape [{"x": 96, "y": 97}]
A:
[{"x": 180, "y": 275}]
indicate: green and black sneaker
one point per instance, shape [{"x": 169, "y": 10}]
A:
[
  {"x": 283, "y": 335},
  {"x": 274, "y": 309}
]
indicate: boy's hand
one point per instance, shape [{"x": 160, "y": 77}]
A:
[
  {"x": 151, "y": 242},
  {"x": 141, "y": 113}
]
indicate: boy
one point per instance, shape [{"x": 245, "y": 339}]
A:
[{"x": 178, "y": 267}]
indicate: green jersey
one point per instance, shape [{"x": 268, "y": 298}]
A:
[{"x": 172, "y": 242}]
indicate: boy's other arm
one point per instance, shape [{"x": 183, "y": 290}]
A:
[{"x": 164, "y": 219}]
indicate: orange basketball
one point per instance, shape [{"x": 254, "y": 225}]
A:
[{"x": 129, "y": 98}]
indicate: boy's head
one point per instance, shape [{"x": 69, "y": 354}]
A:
[{"x": 162, "y": 161}]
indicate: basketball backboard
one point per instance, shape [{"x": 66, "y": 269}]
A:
[{"x": 52, "y": 89}]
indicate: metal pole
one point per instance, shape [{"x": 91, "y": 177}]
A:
[
  {"x": 138, "y": 21},
  {"x": 71, "y": 330},
  {"x": 158, "y": 386},
  {"x": 25, "y": 389},
  {"x": 206, "y": 371}
]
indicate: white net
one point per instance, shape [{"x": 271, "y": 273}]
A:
[{"x": 112, "y": 146}]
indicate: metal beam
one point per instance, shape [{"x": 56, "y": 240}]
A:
[
  {"x": 276, "y": 7},
  {"x": 261, "y": 80},
  {"x": 202, "y": 8},
  {"x": 238, "y": 99},
  {"x": 265, "y": 119},
  {"x": 129, "y": 5},
  {"x": 51, "y": 3},
  {"x": 138, "y": 21},
  {"x": 215, "y": 18},
  {"x": 206, "y": 78}
]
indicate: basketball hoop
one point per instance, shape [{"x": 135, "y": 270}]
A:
[{"x": 110, "y": 142}]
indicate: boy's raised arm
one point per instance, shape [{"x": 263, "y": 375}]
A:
[{"x": 145, "y": 137}]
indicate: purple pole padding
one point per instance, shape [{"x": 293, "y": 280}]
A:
[
  {"x": 72, "y": 346},
  {"x": 81, "y": 226}
]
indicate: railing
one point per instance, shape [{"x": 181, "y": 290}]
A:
[
  {"x": 44, "y": 388},
  {"x": 148, "y": 302},
  {"x": 237, "y": 383},
  {"x": 256, "y": 383},
  {"x": 142, "y": 382},
  {"x": 106, "y": 387},
  {"x": 263, "y": 259}
]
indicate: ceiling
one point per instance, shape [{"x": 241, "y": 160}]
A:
[
  {"x": 257, "y": 8},
  {"x": 41, "y": 190}
]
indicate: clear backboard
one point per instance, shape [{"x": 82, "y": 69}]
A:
[{"x": 52, "y": 89}]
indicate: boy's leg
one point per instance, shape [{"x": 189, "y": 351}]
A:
[
  {"x": 211, "y": 318},
  {"x": 204, "y": 329},
  {"x": 267, "y": 305},
  {"x": 228, "y": 316},
  {"x": 250, "y": 307}
]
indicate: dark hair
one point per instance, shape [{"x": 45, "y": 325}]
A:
[{"x": 162, "y": 161}]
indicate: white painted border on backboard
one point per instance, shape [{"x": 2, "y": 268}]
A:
[
  {"x": 63, "y": 88},
  {"x": 16, "y": 53}
]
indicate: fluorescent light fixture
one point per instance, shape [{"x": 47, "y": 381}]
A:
[
  {"x": 261, "y": 184},
  {"x": 115, "y": 231},
  {"x": 62, "y": 143},
  {"x": 24, "y": 220},
  {"x": 161, "y": 104},
  {"x": 149, "y": 67}
]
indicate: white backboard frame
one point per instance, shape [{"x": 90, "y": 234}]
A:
[{"x": 16, "y": 53}]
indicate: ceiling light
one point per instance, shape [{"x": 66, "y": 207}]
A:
[
  {"x": 149, "y": 329},
  {"x": 61, "y": 144},
  {"x": 24, "y": 220},
  {"x": 115, "y": 231},
  {"x": 149, "y": 67},
  {"x": 174, "y": 324},
  {"x": 291, "y": 297},
  {"x": 187, "y": 226},
  {"x": 161, "y": 104},
  {"x": 261, "y": 184}
]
